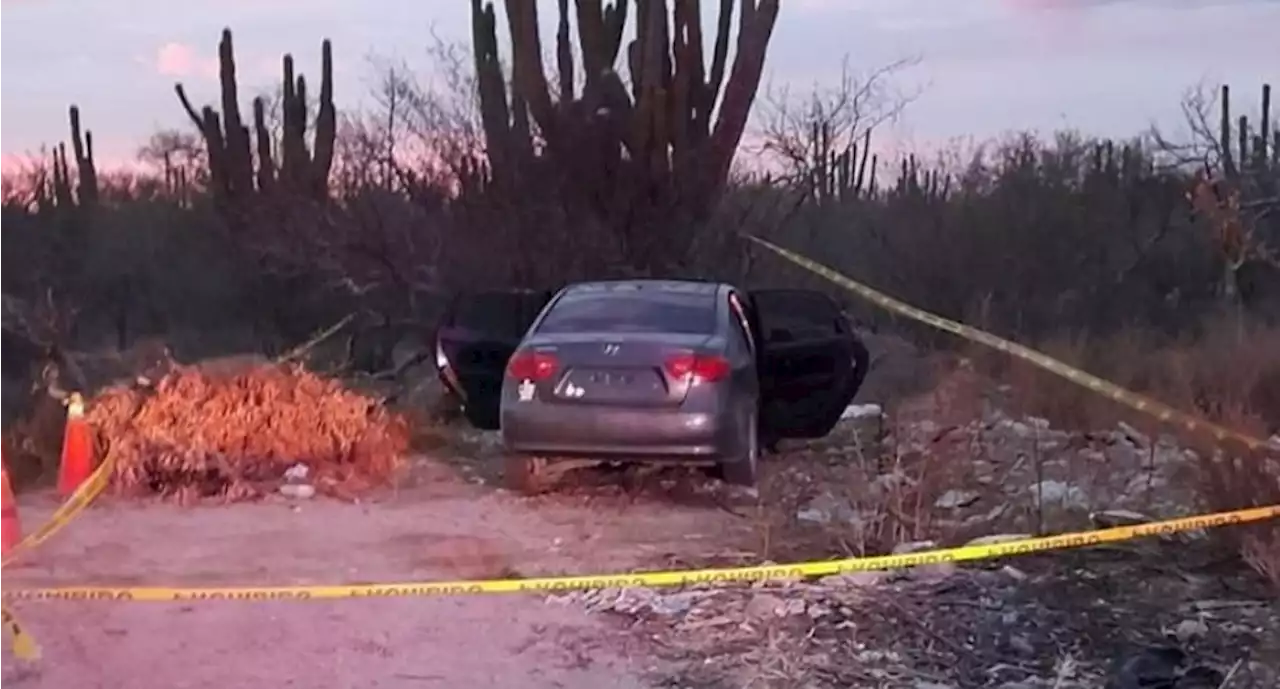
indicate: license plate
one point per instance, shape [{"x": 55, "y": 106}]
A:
[{"x": 603, "y": 378}]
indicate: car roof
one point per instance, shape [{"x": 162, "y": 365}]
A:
[{"x": 643, "y": 285}]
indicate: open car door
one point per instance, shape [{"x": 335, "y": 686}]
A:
[
  {"x": 477, "y": 336},
  {"x": 810, "y": 362}
]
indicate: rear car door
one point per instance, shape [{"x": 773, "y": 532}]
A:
[
  {"x": 810, "y": 362},
  {"x": 477, "y": 335}
]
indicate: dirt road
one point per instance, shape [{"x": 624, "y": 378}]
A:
[{"x": 442, "y": 528}]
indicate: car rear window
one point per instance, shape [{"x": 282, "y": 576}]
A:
[{"x": 632, "y": 311}]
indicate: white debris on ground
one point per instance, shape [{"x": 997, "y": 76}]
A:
[
  {"x": 1008, "y": 627},
  {"x": 296, "y": 483},
  {"x": 1034, "y": 623},
  {"x": 862, "y": 411},
  {"x": 1004, "y": 472}
]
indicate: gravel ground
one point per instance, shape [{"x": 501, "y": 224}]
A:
[{"x": 442, "y": 528}]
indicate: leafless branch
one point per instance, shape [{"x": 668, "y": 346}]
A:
[{"x": 846, "y": 112}]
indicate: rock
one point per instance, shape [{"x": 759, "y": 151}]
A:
[
  {"x": 1013, "y": 573},
  {"x": 297, "y": 473},
  {"x": 1093, "y": 455},
  {"x": 998, "y": 538},
  {"x": 794, "y": 606},
  {"x": 301, "y": 491},
  {"x": 675, "y": 604},
  {"x": 991, "y": 515},
  {"x": 1148, "y": 668},
  {"x": 854, "y": 580},
  {"x": 1188, "y": 630},
  {"x": 914, "y": 547},
  {"x": 1019, "y": 644},
  {"x": 1133, "y": 435},
  {"x": 955, "y": 499},
  {"x": 886, "y": 484},
  {"x": 1057, "y": 492},
  {"x": 1111, "y": 518},
  {"x": 826, "y": 508},
  {"x": 862, "y": 411},
  {"x": 926, "y": 684},
  {"x": 764, "y": 605},
  {"x": 1016, "y": 428},
  {"x": 933, "y": 572},
  {"x": 635, "y": 601}
]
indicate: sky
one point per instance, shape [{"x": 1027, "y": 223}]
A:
[{"x": 985, "y": 67}]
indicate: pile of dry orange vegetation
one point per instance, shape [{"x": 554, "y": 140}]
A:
[{"x": 201, "y": 433}]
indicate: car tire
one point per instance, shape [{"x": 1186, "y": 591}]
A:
[
  {"x": 742, "y": 469},
  {"x": 526, "y": 474}
]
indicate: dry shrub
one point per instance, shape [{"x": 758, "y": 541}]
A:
[
  {"x": 232, "y": 431},
  {"x": 1229, "y": 375}
]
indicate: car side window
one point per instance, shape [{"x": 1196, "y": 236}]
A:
[
  {"x": 739, "y": 316},
  {"x": 790, "y": 315}
]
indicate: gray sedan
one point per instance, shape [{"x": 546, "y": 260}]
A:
[{"x": 636, "y": 370}]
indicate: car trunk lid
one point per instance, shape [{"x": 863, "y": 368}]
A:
[{"x": 615, "y": 369}]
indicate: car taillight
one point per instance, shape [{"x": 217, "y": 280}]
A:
[
  {"x": 698, "y": 368},
  {"x": 532, "y": 365}
]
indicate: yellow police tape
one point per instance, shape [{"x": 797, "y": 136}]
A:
[
  {"x": 965, "y": 553},
  {"x": 24, "y": 646},
  {"x": 85, "y": 494},
  {"x": 1141, "y": 403}
]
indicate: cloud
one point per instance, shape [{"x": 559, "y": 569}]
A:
[{"x": 181, "y": 60}]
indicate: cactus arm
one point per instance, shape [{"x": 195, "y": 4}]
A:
[
  {"x": 526, "y": 49},
  {"x": 685, "y": 78},
  {"x": 82, "y": 148},
  {"x": 326, "y": 132},
  {"x": 196, "y": 119},
  {"x": 564, "y": 55},
  {"x": 719, "y": 55},
  {"x": 266, "y": 166},
  {"x": 1228, "y": 167},
  {"x": 495, "y": 117},
  {"x": 237, "y": 140},
  {"x": 592, "y": 39},
  {"x": 744, "y": 81},
  {"x": 615, "y": 19}
]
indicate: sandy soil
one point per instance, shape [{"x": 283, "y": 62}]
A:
[{"x": 440, "y": 528}]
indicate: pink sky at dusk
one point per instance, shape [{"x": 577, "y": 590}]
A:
[{"x": 1109, "y": 67}]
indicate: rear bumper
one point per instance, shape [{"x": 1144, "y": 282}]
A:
[{"x": 616, "y": 433}]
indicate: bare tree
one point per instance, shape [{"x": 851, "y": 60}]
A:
[
  {"x": 179, "y": 156},
  {"x": 822, "y": 139},
  {"x": 1237, "y": 185}
]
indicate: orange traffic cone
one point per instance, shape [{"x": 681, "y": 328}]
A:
[
  {"x": 77, "y": 448},
  {"x": 9, "y": 508}
]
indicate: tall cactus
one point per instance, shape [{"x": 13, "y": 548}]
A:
[
  {"x": 839, "y": 174},
  {"x": 667, "y": 142},
  {"x": 1249, "y": 153},
  {"x": 84, "y": 192},
  {"x": 232, "y": 151},
  {"x": 1239, "y": 201}
]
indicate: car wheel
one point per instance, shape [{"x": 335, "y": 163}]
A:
[
  {"x": 526, "y": 474},
  {"x": 742, "y": 469}
]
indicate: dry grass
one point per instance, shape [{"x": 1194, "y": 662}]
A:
[
  {"x": 1230, "y": 375},
  {"x": 878, "y": 490},
  {"x": 231, "y": 432}
]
